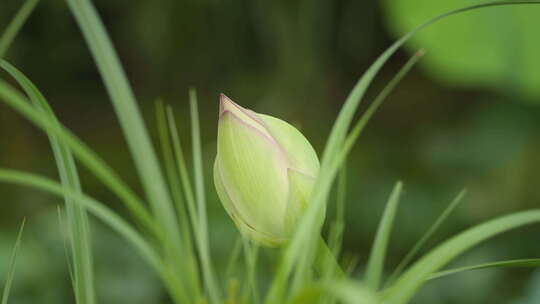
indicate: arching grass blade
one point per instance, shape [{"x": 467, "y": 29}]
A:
[
  {"x": 521, "y": 263},
  {"x": 438, "y": 222},
  {"x": 77, "y": 219},
  {"x": 83, "y": 153},
  {"x": 408, "y": 283},
  {"x": 15, "y": 25}
]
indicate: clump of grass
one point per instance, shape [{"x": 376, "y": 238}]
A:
[{"x": 172, "y": 233}]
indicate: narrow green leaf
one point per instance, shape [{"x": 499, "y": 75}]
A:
[
  {"x": 170, "y": 170},
  {"x": 184, "y": 175},
  {"x": 136, "y": 135},
  {"x": 11, "y": 273},
  {"x": 98, "y": 209},
  {"x": 438, "y": 222},
  {"x": 94, "y": 206},
  {"x": 335, "y": 153},
  {"x": 310, "y": 219},
  {"x": 83, "y": 153},
  {"x": 80, "y": 238},
  {"x": 375, "y": 265},
  {"x": 522, "y": 263},
  {"x": 15, "y": 25},
  {"x": 204, "y": 247},
  {"x": 408, "y": 283}
]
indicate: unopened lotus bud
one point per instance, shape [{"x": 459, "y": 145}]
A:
[{"x": 264, "y": 172}]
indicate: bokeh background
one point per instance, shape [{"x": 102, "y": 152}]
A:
[{"x": 467, "y": 117}]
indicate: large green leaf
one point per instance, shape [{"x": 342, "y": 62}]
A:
[{"x": 496, "y": 48}]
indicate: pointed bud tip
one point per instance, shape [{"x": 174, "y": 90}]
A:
[{"x": 225, "y": 103}]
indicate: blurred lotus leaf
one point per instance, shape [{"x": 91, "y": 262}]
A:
[{"x": 494, "y": 47}]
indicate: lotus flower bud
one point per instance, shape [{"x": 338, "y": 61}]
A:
[{"x": 264, "y": 172}]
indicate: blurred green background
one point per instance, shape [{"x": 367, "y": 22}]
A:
[{"x": 468, "y": 116}]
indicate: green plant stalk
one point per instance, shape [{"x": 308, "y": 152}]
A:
[
  {"x": 233, "y": 259},
  {"x": 15, "y": 25},
  {"x": 251, "y": 253}
]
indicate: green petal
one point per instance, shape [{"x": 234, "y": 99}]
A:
[
  {"x": 253, "y": 171},
  {"x": 301, "y": 155},
  {"x": 240, "y": 223},
  {"x": 300, "y": 187}
]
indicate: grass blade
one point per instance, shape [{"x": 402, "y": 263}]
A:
[
  {"x": 136, "y": 135},
  {"x": 11, "y": 273},
  {"x": 206, "y": 259},
  {"x": 80, "y": 238},
  {"x": 521, "y": 263},
  {"x": 98, "y": 209},
  {"x": 171, "y": 172},
  {"x": 175, "y": 187},
  {"x": 184, "y": 175},
  {"x": 310, "y": 219},
  {"x": 15, "y": 25},
  {"x": 438, "y": 222},
  {"x": 335, "y": 153},
  {"x": 408, "y": 283},
  {"x": 95, "y": 207},
  {"x": 83, "y": 153},
  {"x": 375, "y": 265}
]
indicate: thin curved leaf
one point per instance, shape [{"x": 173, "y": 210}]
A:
[
  {"x": 80, "y": 238},
  {"x": 308, "y": 229},
  {"x": 521, "y": 263},
  {"x": 83, "y": 153},
  {"x": 432, "y": 229},
  {"x": 137, "y": 137},
  {"x": 408, "y": 283},
  {"x": 11, "y": 273},
  {"x": 15, "y": 25}
]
